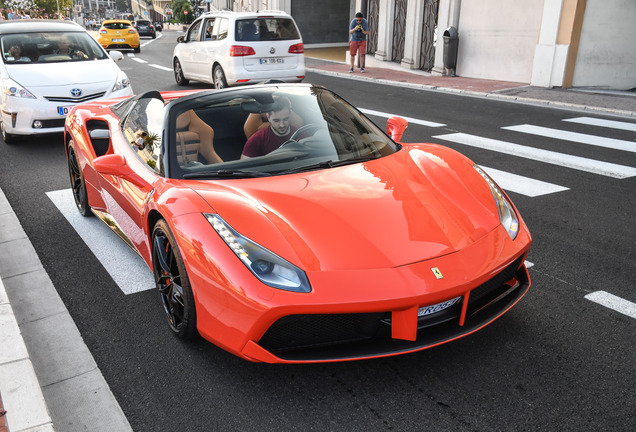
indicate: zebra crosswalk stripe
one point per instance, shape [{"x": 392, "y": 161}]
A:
[
  {"x": 594, "y": 140},
  {"x": 522, "y": 185},
  {"x": 546, "y": 156},
  {"x": 614, "y": 124}
]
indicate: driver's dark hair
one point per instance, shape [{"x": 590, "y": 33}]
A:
[{"x": 280, "y": 103}]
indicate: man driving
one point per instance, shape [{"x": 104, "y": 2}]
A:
[{"x": 270, "y": 138}]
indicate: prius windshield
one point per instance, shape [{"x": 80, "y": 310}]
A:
[{"x": 48, "y": 47}]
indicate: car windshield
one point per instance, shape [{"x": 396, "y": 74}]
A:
[
  {"x": 292, "y": 128},
  {"x": 46, "y": 47},
  {"x": 265, "y": 29}
]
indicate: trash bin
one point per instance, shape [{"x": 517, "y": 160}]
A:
[{"x": 450, "y": 49}]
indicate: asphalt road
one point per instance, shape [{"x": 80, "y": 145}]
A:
[{"x": 557, "y": 361}]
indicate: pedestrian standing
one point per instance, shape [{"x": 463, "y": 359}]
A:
[{"x": 358, "y": 29}]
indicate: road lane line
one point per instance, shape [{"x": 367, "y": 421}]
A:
[
  {"x": 613, "y": 302},
  {"x": 522, "y": 185},
  {"x": 547, "y": 156},
  {"x": 409, "y": 119},
  {"x": 160, "y": 67},
  {"x": 127, "y": 269},
  {"x": 603, "y": 123},
  {"x": 598, "y": 141},
  {"x": 138, "y": 60}
]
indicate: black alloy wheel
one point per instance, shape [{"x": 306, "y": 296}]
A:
[
  {"x": 172, "y": 282},
  {"x": 77, "y": 183}
]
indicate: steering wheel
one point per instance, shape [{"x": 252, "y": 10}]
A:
[{"x": 302, "y": 129}]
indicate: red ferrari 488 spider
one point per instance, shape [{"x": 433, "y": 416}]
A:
[{"x": 335, "y": 243}]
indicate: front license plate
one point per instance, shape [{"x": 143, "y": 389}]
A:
[
  {"x": 427, "y": 310},
  {"x": 119, "y": 40},
  {"x": 64, "y": 110},
  {"x": 274, "y": 60}
]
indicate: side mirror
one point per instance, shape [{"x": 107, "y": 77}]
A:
[
  {"x": 395, "y": 127},
  {"x": 180, "y": 39},
  {"x": 116, "y": 55}
]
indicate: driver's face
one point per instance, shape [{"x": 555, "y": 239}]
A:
[{"x": 280, "y": 120}]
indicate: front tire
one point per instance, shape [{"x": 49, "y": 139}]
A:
[
  {"x": 219, "y": 78},
  {"x": 178, "y": 74},
  {"x": 172, "y": 282},
  {"x": 77, "y": 183}
]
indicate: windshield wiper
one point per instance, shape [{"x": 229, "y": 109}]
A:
[
  {"x": 225, "y": 174},
  {"x": 326, "y": 164}
]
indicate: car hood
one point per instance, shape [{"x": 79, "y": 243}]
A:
[
  {"x": 63, "y": 73},
  {"x": 417, "y": 204}
]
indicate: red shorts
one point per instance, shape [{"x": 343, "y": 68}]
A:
[{"x": 354, "y": 46}]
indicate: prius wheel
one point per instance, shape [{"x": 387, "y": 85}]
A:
[
  {"x": 219, "y": 78},
  {"x": 78, "y": 184},
  {"x": 178, "y": 74},
  {"x": 172, "y": 282}
]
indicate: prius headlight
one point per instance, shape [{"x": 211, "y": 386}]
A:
[
  {"x": 12, "y": 88},
  {"x": 122, "y": 81},
  {"x": 268, "y": 267},
  {"x": 507, "y": 215}
]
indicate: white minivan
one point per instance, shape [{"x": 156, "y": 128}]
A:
[{"x": 235, "y": 48}]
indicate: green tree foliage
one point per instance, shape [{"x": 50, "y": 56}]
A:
[
  {"x": 36, "y": 8},
  {"x": 178, "y": 8}
]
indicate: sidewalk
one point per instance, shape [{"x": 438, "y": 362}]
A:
[
  {"x": 48, "y": 379},
  {"x": 334, "y": 61}
]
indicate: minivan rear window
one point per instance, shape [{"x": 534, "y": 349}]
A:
[{"x": 266, "y": 29}]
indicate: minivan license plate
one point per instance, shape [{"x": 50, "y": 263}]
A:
[{"x": 273, "y": 60}]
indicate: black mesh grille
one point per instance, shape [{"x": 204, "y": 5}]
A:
[{"x": 333, "y": 336}]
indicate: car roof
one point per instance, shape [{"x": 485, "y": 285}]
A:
[
  {"x": 38, "y": 25},
  {"x": 239, "y": 15}
]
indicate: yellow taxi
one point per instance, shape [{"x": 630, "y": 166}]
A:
[{"x": 118, "y": 34}]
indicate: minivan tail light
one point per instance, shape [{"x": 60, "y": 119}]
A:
[
  {"x": 239, "y": 51},
  {"x": 297, "y": 49}
]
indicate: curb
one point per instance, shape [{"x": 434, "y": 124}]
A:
[
  {"x": 22, "y": 396},
  {"x": 491, "y": 95},
  {"x": 47, "y": 375}
]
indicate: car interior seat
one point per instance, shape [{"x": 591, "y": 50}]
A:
[
  {"x": 248, "y": 33},
  {"x": 194, "y": 137}
]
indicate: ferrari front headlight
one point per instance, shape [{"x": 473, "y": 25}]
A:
[
  {"x": 507, "y": 215},
  {"x": 12, "y": 88},
  {"x": 268, "y": 267}
]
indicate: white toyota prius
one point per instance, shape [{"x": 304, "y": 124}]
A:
[{"x": 47, "y": 68}]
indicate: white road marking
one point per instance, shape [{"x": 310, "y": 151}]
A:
[
  {"x": 603, "y": 123},
  {"x": 594, "y": 140},
  {"x": 127, "y": 269},
  {"x": 547, "y": 156},
  {"x": 409, "y": 119},
  {"x": 529, "y": 264},
  {"x": 160, "y": 67},
  {"x": 138, "y": 60},
  {"x": 613, "y": 302},
  {"x": 522, "y": 185}
]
